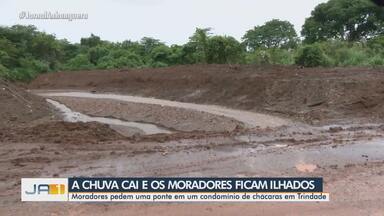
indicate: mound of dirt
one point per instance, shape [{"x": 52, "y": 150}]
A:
[
  {"x": 61, "y": 132},
  {"x": 20, "y": 107},
  {"x": 316, "y": 95}
]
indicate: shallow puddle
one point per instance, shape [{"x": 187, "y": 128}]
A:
[{"x": 311, "y": 158}]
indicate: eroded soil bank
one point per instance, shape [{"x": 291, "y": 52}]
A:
[{"x": 319, "y": 95}]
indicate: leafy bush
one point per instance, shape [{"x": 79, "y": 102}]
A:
[
  {"x": 4, "y": 72},
  {"x": 34, "y": 65},
  {"x": 161, "y": 54},
  {"x": 259, "y": 57},
  {"x": 106, "y": 62},
  {"x": 354, "y": 57},
  {"x": 376, "y": 44},
  {"x": 281, "y": 56},
  {"x": 158, "y": 64},
  {"x": 311, "y": 56},
  {"x": 79, "y": 62},
  {"x": 96, "y": 53},
  {"x": 5, "y": 59},
  {"x": 29, "y": 68},
  {"x": 129, "y": 61},
  {"x": 22, "y": 74},
  {"x": 120, "y": 59},
  {"x": 377, "y": 60},
  {"x": 224, "y": 50}
]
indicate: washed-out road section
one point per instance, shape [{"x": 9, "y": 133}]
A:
[{"x": 250, "y": 119}]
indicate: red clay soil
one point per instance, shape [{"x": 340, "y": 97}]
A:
[
  {"x": 26, "y": 117},
  {"x": 19, "y": 107},
  {"x": 313, "y": 95},
  {"x": 61, "y": 132}
]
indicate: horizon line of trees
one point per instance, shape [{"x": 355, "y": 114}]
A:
[{"x": 338, "y": 33}]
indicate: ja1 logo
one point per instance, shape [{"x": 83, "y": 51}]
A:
[
  {"x": 44, "y": 189},
  {"x": 51, "y": 189}
]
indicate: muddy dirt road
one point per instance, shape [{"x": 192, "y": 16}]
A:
[
  {"x": 108, "y": 126},
  {"x": 350, "y": 157}
]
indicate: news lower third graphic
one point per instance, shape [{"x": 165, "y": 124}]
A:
[{"x": 173, "y": 190}]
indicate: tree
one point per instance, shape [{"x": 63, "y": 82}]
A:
[
  {"x": 91, "y": 41},
  {"x": 135, "y": 47},
  {"x": 96, "y": 53},
  {"x": 120, "y": 58},
  {"x": 124, "y": 58},
  {"x": 166, "y": 56},
  {"x": 176, "y": 56},
  {"x": 351, "y": 20},
  {"x": 19, "y": 34},
  {"x": 8, "y": 53},
  {"x": 198, "y": 45},
  {"x": 16, "y": 41},
  {"x": 79, "y": 62},
  {"x": 45, "y": 47},
  {"x": 149, "y": 44},
  {"x": 161, "y": 54},
  {"x": 69, "y": 50},
  {"x": 273, "y": 34},
  {"x": 4, "y": 72},
  {"x": 26, "y": 50},
  {"x": 189, "y": 54},
  {"x": 223, "y": 50}
]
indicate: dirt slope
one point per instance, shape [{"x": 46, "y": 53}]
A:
[
  {"x": 25, "y": 116},
  {"x": 19, "y": 107},
  {"x": 61, "y": 132},
  {"x": 313, "y": 95}
]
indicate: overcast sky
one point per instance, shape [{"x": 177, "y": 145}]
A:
[{"x": 171, "y": 21}]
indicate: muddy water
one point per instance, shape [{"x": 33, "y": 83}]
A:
[
  {"x": 72, "y": 116},
  {"x": 250, "y": 119},
  {"x": 308, "y": 159},
  {"x": 236, "y": 161}
]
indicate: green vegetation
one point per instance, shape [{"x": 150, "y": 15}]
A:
[
  {"x": 311, "y": 56},
  {"x": 338, "y": 33},
  {"x": 273, "y": 34},
  {"x": 347, "y": 20}
]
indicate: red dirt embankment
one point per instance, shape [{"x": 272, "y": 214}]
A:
[
  {"x": 26, "y": 117},
  {"x": 18, "y": 107},
  {"x": 313, "y": 95}
]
